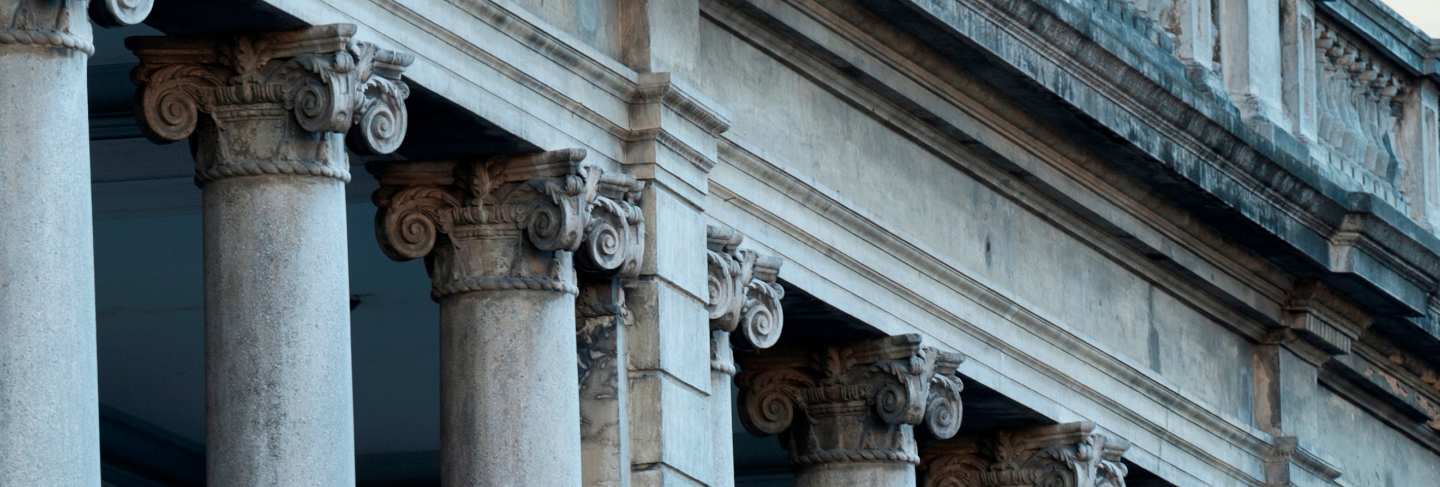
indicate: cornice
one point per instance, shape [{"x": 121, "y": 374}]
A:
[
  {"x": 1261, "y": 179},
  {"x": 1247, "y": 439}
]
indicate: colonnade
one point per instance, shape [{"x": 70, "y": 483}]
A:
[{"x": 529, "y": 255}]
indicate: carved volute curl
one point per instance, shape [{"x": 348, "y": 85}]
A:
[
  {"x": 119, "y": 13},
  {"x": 744, "y": 296},
  {"x": 511, "y": 222},
  {"x": 855, "y": 403},
  {"x": 1063, "y": 455},
  {"x": 278, "y": 103}
]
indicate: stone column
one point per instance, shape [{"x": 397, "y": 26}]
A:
[
  {"x": 847, "y": 413},
  {"x": 272, "y": 165},
  {"x": 1250, "y": 55},
  {"x": 49, "y": 414},
  {"x": 743, "y": 296},
  {"x": 502, "y": 240},
  {"x": 601, "y": 320},
  {"x": 1062, "y": 455}
]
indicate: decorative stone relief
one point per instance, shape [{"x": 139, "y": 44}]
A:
[
  {"x": 854, "y": 403},
  {"x": 511, "y": 222},
  {"x": 1357, "y": 111},
  {"x": 1063, "y": 455},
  {"x": 268, "y": 95},
  {"x": 744, "y": 296},
  {"x": 601, "y": 317},
  {"x": 116, "y": 13},
  {"x": 51, "y": 23}
]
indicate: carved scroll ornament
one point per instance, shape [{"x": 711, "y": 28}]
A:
[
  {"x": 551, "y": 201},
  {"x": 855, "y": 403},
  {"x": 1064, "y": 455},
  {"x": 320, "y": 76},
  {"x": 744, "y": 294}
]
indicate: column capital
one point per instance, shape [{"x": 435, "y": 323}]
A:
[
  {"x": 860, "y": 401},
  {"x": 1062, "y": 455},
  {"x": 278, "y": 103},
  {"x": 61, "y": 24},
  {"x": 744, "y": 295},
  {"x": 510, "y": 222}
]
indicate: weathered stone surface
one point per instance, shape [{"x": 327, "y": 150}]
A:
[
  {"x": 502, "y": 240},
  {"x": 271, "y": 161},
  {"x": 49, "y": 420},
  {"x": 1063, "y": 455},
  {"x": 744, "y": 305},
  {"x": 854, "y": 405}
]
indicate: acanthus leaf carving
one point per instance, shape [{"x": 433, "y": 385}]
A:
[
  {"x": 1064, "y": 455},
  {"x": 511, "y": 222},
  {"x": 326, "y": 81},
  {"x": 859, "y": 402}
]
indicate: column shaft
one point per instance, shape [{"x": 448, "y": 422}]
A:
[
  {"x": 267, "y": 115},
  {"x": 722, "y": 375},
  {"x": 277, "y": 332},
  {"x": 49, "y": 421},
  {"x": 868, "y": 474},
  {"x": 510, "y": 411}
]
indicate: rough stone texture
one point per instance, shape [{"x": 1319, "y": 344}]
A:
[
  {"x": 268, "y": 115},
  {"x": 502, "y": 240},
  {"x": 504, "y": 409},
  {"x": 277, "y": 332},
  {"x": 49, "y": 420},
  {"x": 1063, "y": 455},
  {"x": 601, "y": 319},
  {"x": 847, "y": 413}
]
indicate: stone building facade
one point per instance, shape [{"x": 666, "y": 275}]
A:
[{"x": 973, "y": 243}]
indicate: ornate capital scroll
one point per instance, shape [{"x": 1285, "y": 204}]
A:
[
  {"x": 278, "y": 103},
  {"x": 1063, "y": 455},
  {"x": 119, "y": 13},
  {"x": 511, "y": 222},
  {"x": 744, "y": 296},
  {"x": 49, "y": 23},
  {"x": 854, "y": 403}
]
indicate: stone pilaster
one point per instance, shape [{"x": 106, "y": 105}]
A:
[
  {"x": 601, "y": 319},
  {"x": 268, "y": 115},
  {"x": 847, "y": 413},
  {"x": 502, "y": 240},
  {"x": 744, "y": 297},
  {"x": 49, "y": 416},
  {"x": 1062, "y": 455}
]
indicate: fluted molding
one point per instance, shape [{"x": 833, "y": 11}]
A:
[
  {"x": 48, "y": 23},
  {"x": 1063, "y": 455},
  {"x": 513, "y": 222},
  {"x": 853, "y": 403},
  {"x": 744, "y": 296},
  {"x": 277, "y": 103}
]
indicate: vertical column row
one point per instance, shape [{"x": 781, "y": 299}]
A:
[
  {"x": 268, "y": 116},
  {"x": 49, "y": 413}
]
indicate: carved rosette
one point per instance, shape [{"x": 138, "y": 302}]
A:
[
  {"x": 744, "y": 296},
  {"x": 1064, "y": 455},
  {"x": 277, "y": 103},
  {"x": 511, "y": 222},
  {"x": 856, "y": 403}
]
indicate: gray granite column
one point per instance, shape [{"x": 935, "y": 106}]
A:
[
  {"x": 49, "y": 414},
  {"x": 847, "y": 413},
  {"x": 268, "y": 115},
  {"x": 501, "y": 240},
  {"x": 744, "y": 306},
  {"x": 1061, "y": 455}
]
